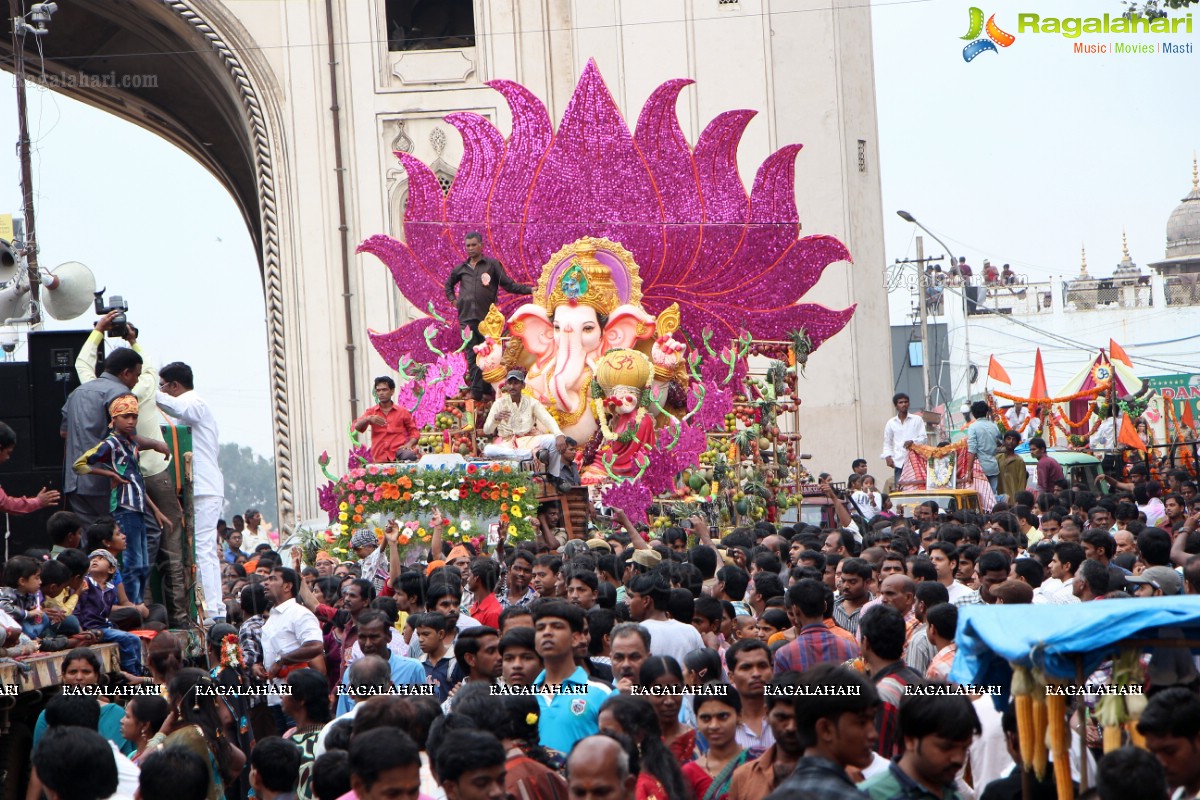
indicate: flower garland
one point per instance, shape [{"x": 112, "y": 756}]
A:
[
  {"x": 626, "y": 436},
  {"x": 1065, "y": 417},
  {"x": 1061, "y": 421},
  {"x": 926, "y": 451},
  {"x": 1086, "y": 394},
  {"x": 231, "y": 652},
  {"x": 376, "y": 493}
]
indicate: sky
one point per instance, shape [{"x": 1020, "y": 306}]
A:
[
  {"x": 156, "y": 228},
  {"x": 1025, "y": 155},
  {"x": 1020, "y": 156}
]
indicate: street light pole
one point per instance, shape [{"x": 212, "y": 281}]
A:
[{"x": 29, "y": 245}]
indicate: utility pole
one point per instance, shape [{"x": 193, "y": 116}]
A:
[
  {"x": 921, "y": 309},
  {"x": 29, "y": 245},
  {"x": 922, "y": 313}
]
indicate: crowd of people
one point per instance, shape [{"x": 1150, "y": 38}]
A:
[
  {"x": 618, "y": 664},
  {"x": 772, "y": 660}
]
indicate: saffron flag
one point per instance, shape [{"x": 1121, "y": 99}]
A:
[
  {"x": 997, "y": 372},
  {"x": 1128, "y": 435},
  {"x": 1038, "y": 391},
  {"x": 1187, "y": 418},
  {"x": 1117, "y": 353}
]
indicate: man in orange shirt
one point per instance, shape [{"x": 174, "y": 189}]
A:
[{"x": 394, "y": 434}]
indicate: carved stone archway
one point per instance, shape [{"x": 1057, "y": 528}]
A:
[{"x": 213, "y": 97}]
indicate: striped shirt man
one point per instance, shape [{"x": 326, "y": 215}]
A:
[{"x": 815, "y": 644}]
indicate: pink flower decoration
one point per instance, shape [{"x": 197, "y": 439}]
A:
[
  {"x": 359, "y": 485},
  {"x": 731, "y": 260}
]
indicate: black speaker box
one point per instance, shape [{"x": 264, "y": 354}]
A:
[
  {"x": 52, "y": 377},
  {"x": 29, "y": 530},
  {"x": 14, "y": 389},
  {"x": 21, "y": 460}
]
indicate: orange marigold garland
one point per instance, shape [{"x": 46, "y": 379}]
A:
[
  {"x": 1087, "y": 394},
  {"x": 925, "y": 451},
  {"x": 231, "y": 652}
]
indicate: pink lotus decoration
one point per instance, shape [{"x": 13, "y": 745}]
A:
[{"x": 731, "y": 261}]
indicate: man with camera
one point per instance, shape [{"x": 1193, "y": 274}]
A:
[{"x": 164, "y": 547}]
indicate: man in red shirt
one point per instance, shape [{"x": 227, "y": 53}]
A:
[
  {"x": 1049, "y": 471},
  {"x": 482, "y": 577},
  {"x": 394, "y": 435}
]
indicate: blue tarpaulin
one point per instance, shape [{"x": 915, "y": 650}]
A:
[{"x": 1050, "y": 637}]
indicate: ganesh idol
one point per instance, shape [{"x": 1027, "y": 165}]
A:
[
  {"x": 587, "y": 303},
  {"x": 621, "y": 393}
]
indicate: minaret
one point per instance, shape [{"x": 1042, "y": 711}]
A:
[
  {"x": 1126, "y": 269},
  {"x": 1083, "y": 273}
]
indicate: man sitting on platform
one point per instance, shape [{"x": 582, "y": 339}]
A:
[{"x": 515, "y": 418}]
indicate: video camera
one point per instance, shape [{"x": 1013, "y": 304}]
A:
[{"x": 115, "y": 303}]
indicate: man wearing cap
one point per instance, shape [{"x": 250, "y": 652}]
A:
[
  {"x": 479, "y": 279},
  {"x": 515, "y": 418},
  {"x": 1169, "y": 666},
  {"x": 1155, "y": 582},
  {"x": 599, "y": 547}
]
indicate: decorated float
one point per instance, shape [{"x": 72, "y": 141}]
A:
[
  {"x": 657, "y": 278},
  {"x": 1105, "y": 409}
]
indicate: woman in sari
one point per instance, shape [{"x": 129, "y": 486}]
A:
[
  {"x": 144, "y": 715},
  {"x": 225, "y": 651},
  {"x": 717, "y": 716},
  {"x": 659, "y": 778},
  {"x": 195, "y": 724},
  {"x": 664, "y": 674}
]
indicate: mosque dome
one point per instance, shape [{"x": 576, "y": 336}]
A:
[{"x": 1183, "y": 227}]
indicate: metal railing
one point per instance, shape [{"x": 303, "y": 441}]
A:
[
  {"x": 1106, "y": 293},
  {"x": 1021, "y": 298},
  {"x": 1182, "y": 291}
]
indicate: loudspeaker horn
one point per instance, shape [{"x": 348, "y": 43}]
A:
[
  {"x": 8, "y": 261},
  {"x": 69, "y": 289}
]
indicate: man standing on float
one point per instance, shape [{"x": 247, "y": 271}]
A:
[{"x": 481, "y": 279}]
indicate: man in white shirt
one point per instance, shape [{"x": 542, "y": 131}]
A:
[
  {"x": 1105, "y": 437},
  {"x": 291, "y": 636},
  {"x": 252, "y": 537},
  {"x": 648, "y": 596},
  {"x": 177, "y": 397},
  {"x": 1016, "y": 415},
  {"x": 515, "y": 418},
  {"x": 899, "y": 432},
  {"x": 163, "y": 548},
  {"x": 1068, "y": 556}
]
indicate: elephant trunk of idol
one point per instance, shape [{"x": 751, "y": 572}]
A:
[{"x": 569, "y": 361}]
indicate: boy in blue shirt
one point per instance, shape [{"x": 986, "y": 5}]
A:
[{"x": 95, "y": 605}]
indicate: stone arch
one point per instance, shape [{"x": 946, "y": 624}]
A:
[{"x": 218, "y": 104}]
